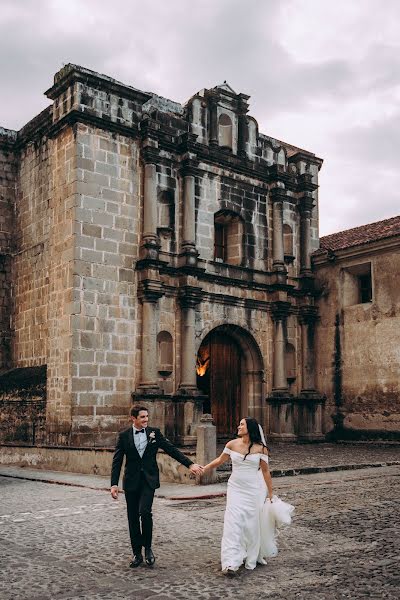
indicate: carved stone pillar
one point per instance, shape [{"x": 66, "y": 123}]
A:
[
  {"x": 188, "y": 246},
  {"x": 306, "y": 205},
  {"x": 278, "y": 195},
  {"x": 308, "y": 317},
  {"x": 150, "y": 240},
  {"x": 279, "y": 314},
  {"x": 190, "y": 296},
  {"x": 242, "y": 135},
  {"x": 150, "y": 292},
  {"x": 213, "y": 116}
]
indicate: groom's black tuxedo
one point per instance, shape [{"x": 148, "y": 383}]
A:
[
  {"x": 136, "y": 467},
  {"x": 141, "y": 478}
]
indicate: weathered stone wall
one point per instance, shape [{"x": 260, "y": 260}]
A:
[
  {"x": 358, "y": 360},
  {"x": 30, "y": 263},
  {"x": 23, "y": 406},
  {"x": 7, "y": 199},
  {"x": 104, "y": 322}
]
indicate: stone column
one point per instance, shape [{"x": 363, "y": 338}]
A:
[
  {"x": 306, "y": 205},
  {"x": 308, "y": 316},
  {"x": 242, "y": 135},
  {"x": 150, "y": 292},
  {"x": 278, "y": 195},
  {"x": 188, "y": 246},
  {"x": 213, "y": 116},
  {"x": 150, "y": 241},
  {"x": 189, "y": 298},
  {"x": 279, "y": 314}
]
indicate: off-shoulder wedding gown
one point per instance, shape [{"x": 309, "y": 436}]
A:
[{"x": 249, "y": 526}]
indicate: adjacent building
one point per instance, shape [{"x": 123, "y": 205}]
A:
[{"x": 358, "y": 335}]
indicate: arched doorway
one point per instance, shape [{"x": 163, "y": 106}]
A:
[{"x": 230, "y": 372}]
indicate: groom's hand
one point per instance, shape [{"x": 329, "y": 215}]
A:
[
  {"x": 196, "y": 469},
  {"x": 114, "y": 492}
]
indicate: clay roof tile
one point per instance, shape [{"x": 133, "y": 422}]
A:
[{"x": 361, "y": 235}]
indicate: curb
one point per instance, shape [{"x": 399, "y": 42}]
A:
[{"x": 205, "y": 496}]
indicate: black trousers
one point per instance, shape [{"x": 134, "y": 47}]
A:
[{"x": 140, "y": 518}]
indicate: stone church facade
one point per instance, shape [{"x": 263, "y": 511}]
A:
[{"x": 158, "y": 253}]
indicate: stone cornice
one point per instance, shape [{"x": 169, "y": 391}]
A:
[
  {"x": 190, "y": 296},
  {"x": 86, "y": 118},
  {"x": 305, "y": 183},
  {"x": 306, "y": 202},
  {"x": 308, "y": 158},
  {"x": 278, "y": 194},
  {"x": 150, "y": 290},
  {"x": 72, "y": 73},
  {"x": 280, "y": 310},
  {"x": 308, "y": 314}
]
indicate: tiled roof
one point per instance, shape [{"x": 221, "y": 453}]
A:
[{"x": 361, "y": 235}]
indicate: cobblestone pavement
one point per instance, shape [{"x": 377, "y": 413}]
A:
[{"x": 61, "y": 542}]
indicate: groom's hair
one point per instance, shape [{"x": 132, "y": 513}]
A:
[{"x": 135, "y": 410}]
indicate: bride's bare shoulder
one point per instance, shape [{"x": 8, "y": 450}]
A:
[
  {"x": 232, "y": 444},
  {"x": 260, "y": 449}
]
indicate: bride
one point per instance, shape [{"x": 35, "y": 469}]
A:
[{"x": 249, "y": 527}]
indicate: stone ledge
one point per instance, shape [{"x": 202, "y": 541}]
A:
[{"x": 87, "y": 461}]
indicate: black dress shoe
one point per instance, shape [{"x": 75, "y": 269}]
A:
[
  {"x": 149, "y": 557},
  {"x": 137, "y": 560}
]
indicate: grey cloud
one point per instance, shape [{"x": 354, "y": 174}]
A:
[
  {"x": 376, "y": 144},
  {"x": 177, "y": 47}
]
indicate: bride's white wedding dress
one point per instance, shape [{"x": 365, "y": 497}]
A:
[{"x": 250, "y": 522}]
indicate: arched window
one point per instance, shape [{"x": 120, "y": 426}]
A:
[
  {"x": 288, "y": 243},
  {"x": 225, "y": 131},
  {"x": 228, "y": 238},
  {"x": 165, "y": 353}
]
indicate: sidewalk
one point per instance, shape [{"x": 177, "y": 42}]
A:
[{"x": 285, "y": 460}]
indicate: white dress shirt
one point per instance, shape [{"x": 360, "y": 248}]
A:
[{"x": 140, "y": 440}]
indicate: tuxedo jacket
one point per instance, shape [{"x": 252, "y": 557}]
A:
[{"x": 146, "y": 466}]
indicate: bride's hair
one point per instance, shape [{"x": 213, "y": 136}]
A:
[{"x": 254, "y": 433}]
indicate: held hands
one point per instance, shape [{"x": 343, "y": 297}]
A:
[
  {"x": 114, "y": 492},
  {"x": 196, "y": 469}
]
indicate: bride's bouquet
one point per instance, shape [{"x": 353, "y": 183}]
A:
[
  {"x": 278, "y": 511},
  {"x": 274, "y": 515}
]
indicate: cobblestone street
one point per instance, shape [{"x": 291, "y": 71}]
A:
[{"x": 61, "y": 542}]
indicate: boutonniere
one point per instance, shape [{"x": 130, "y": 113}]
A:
[{"x": 152, "y": 437}]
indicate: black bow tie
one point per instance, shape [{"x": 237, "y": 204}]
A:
[{"x": 140, "y": 431}]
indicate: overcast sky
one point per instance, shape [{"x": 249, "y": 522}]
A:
[{"x": 322, "y": 75}]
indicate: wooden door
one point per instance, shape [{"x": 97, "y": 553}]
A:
[{"x": 225, "y": 373}]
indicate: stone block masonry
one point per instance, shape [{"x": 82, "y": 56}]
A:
[
  {"x": 114, "y": 197},
  {"x": 105, "y": 247}
]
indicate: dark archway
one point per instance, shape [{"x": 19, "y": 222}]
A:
[{"x": 230, "y": 373}]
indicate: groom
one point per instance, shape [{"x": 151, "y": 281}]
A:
[{"x": 139, "y": 445}]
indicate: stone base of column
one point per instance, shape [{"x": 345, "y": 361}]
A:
[
  {"x": 150, "y": 247},
  {"x": 309, "y": 416},
  {"x": 279, "y": 277},
  {"x": 188, "y": 411},
  {"x": 188, "y": 390},
  {"x": 281, "y": 417},
  {"x": 145, "y": 389},
  {"x": 188, "y": 256},
  {"x": 296, "y": 418}
]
